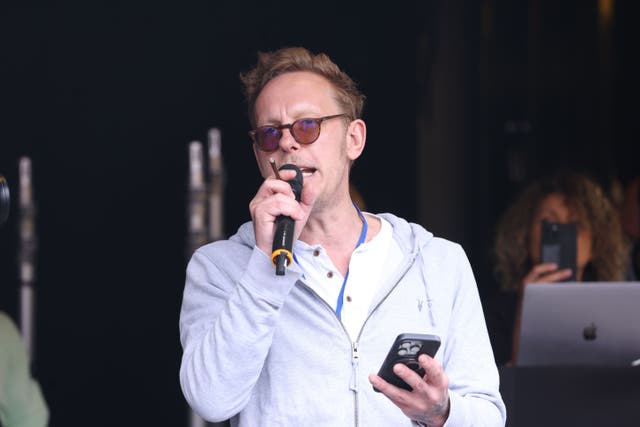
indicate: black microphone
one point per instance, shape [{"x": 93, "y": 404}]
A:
[{"x": 282, "y": 255}]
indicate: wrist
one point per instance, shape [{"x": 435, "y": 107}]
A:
[{"x": 437, "y": 420}]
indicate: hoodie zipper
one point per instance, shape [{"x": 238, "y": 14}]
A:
[
  {"x": 355, "y": 355},
  {"x": 355, "y": 360}
]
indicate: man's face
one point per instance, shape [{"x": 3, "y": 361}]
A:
[{"x": 325, "y": 162}]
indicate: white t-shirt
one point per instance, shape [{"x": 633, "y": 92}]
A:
[{"x": 363, "y": 281}]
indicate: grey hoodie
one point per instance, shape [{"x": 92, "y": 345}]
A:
[{"x": 265, "y": 350}]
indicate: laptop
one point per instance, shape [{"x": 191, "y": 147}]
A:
[{"x": 587, "y": 323}]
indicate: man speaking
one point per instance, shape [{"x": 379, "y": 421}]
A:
[{"x": 303, "y": 348}]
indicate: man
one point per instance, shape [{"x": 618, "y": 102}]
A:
[{"x": 302, "y": 348}]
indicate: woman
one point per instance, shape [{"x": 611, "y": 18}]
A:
[{"x": 601, "y": 249}]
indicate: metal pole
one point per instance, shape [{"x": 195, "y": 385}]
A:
[
  {"x": 196, "y": 222},
  {"x": 205, "y": 201},
  {"x": 216, "y": 186},
  {"x": 5, "y": 200},
  {"x": 197, "y": 203},
  {"x": 27, "y": 255},
  {"x": 216, "y": 199}
]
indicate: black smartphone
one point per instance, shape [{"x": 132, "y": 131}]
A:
[
  {"x": 558, "y": 245},
  {"x": 406, "y": 349}
]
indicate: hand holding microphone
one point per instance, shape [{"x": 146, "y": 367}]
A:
[{"x": 282, "y": 250}]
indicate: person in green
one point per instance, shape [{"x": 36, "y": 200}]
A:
[{"x": 21, "y": 400}]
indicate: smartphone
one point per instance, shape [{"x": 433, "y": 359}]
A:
[
  {"x": 558, "y": 245},
  {"x": 405, "y": 349}
]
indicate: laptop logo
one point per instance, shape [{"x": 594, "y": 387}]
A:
[{"x": 590, "y": 332}]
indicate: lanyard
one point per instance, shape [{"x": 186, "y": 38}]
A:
[{"x": 361, "y": 240}]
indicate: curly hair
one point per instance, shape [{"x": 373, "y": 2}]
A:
[
  {"x": 272, "y": 64},
  {"x": 594, "y": 211}
]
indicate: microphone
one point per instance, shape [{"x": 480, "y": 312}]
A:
[{"x": 282, "y": 255}]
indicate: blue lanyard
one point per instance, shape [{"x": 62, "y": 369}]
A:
[{"x": 361, "y": 240}]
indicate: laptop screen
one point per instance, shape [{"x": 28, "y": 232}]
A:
[{"x": 587, "y": 323}]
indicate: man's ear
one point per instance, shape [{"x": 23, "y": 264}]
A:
[{"x": 356, "y": 138}]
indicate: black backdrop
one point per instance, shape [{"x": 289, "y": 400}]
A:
[{"x": 105, "y": 97}]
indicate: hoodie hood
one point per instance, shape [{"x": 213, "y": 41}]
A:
[{"x": 412, "y": 239}]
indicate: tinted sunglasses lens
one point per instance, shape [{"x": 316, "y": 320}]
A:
[
  {"x": 268, "y": 138},
  {"x": 305, "y": 131}
]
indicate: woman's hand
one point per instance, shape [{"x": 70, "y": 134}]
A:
[{"x": 546, "y": 272}]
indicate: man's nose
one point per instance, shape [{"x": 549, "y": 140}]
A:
[{"x": 287, "y": 141}]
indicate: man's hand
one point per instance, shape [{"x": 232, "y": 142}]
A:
[
  {"x": 275, "y": 197},
  {"x": 428, "y": 402}
]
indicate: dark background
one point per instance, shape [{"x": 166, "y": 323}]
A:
[{"x": 466, "y": 101}]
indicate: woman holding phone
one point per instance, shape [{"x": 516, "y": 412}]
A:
[{"x": 601, "y": 253}]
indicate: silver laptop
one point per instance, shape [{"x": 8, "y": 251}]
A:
[{"x": 588, "y": 323}]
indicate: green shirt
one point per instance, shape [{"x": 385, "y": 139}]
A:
[{"x": 21, "y": 401}]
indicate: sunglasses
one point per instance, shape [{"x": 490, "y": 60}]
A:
[{"x": 304, "y": 131}]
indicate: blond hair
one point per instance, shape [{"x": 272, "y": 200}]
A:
[{"x": 290, "y": 59}]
